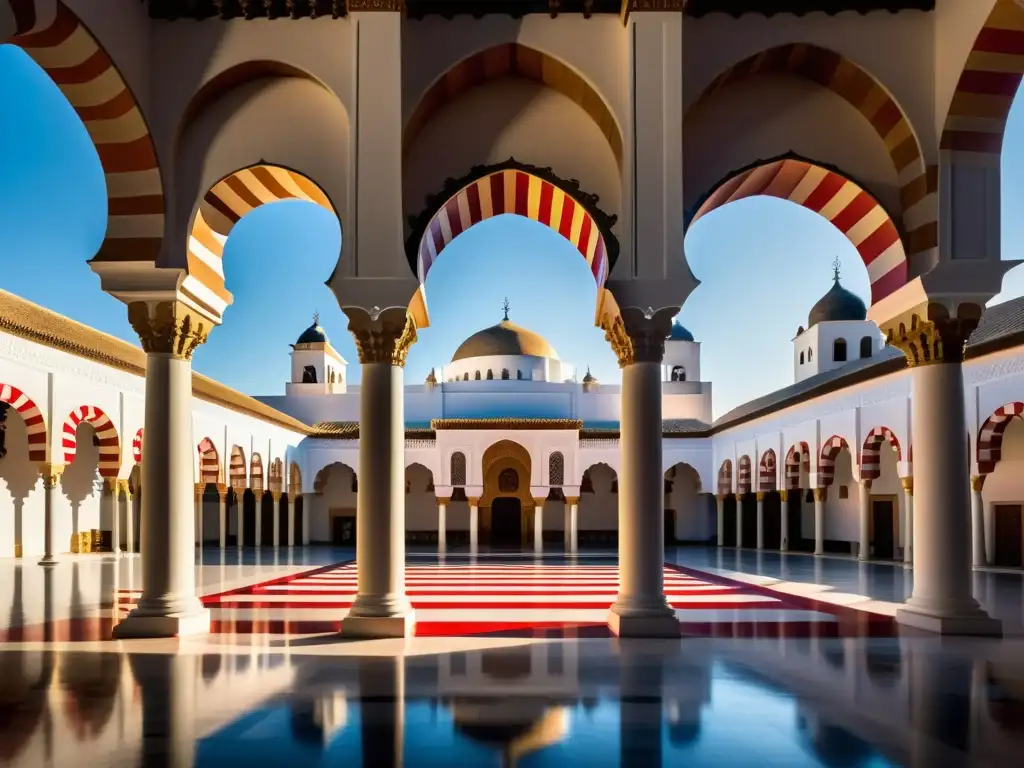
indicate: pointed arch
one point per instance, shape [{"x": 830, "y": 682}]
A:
[
  {"x": 827, "y": 461},
  {"x": 237, "y": 477},
  {"x": 68, "y": 52},
  {"x": 457, "y": 465},
  {"x": 35, "y": 424},
  {"x": 843, "y": 202},
  {"x": 209, "y": 462},
  {"x": 276, "y": 478},
  {"x": 137, "y": 447},
  {"x": 797, "y": 459},
  {"x": 256, "y": 474},
  {"x": 990, "y": 436},
  {"x": 106, "y": 435},
  {"x": 984, "y": 93},
  {"x": 870, "y": 456},
  {"x": 556, "y": 469},
  {"x": 725, "y": 477},
  {"x": 513, "y": 60},
  {"x": 766, "y": 471},
  {"x": 743, "y": 475}
]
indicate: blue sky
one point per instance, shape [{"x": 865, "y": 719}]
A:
[{"x": 762, "y": 264}]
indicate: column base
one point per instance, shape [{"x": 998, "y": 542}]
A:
[
  {"x": 370, "y": 627},
  {"x": 624, "y": 621},
  {"x": 972, "y": 621},
  {"x": 174, "y": 625},
  {"x": 48, "y": 562}
]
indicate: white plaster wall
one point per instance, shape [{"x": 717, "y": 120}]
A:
[
  {"x": 1006, "y": 483},
  {"x": 599, "y": 511},
  {"x": 21, "y": 493},
  {"x": 533, "y": 368},
  {"x": 684, "y": 353},
  {"x": 822, "y": 337}
]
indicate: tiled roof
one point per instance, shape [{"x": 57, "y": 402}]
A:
[{"x": 349, "y": 430}]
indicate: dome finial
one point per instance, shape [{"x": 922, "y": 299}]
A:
[
  {"x": 316, "y": 317},
  {"x": 505, "y": 307},
  {"x": 835, "y": 269}
]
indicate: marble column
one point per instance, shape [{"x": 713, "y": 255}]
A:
[
  {"x": 864, "y": 520},
  {"x": 739, "y": 520},
  {"x": 908, "y": 521},
  {"x": 51, "y": 478},
  {"x": 258, "y": 520},
  {"x": 169, "y": 332},
  {"x": 307, "y": 506},
  {"x": 239, "y": 496},
  {"x": 474, "y": 524},
  {"x": 222, "y": 511},
  {"x": 442, "y": 524},
  {"x": 760, "y": 519},
  {"x": 942, "y": 600},
  {"x": 784, "y": 522},
  {"x": 200, "y": 488},
  {"x": 381, "y": 607},
  {"x": 114, "y": 488},
  {"x": 129, "y": 517},
  {"x": 538, "y": 525},
  {"x": 573, "y": 503},
  {"x": 820, "y": 495},
  {"x": 640, "y": 610},
  {"x": 288, "y": 503},
  {"x": 720, "y": 508},
  {"x": 275, "y": 536},
  {"x": 978, "y": 520}
]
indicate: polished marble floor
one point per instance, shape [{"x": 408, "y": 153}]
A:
[{"x": 773, "y": 669}]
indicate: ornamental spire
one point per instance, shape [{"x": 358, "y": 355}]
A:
[
  {"x": 316, "y": 318},
  {"x": 505, "y": 307},
  {"x": 835, "y": 269}
]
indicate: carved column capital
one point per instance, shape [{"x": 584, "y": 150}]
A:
[
  {"x": 474, "y": 501},
  {"x": 572, "y": 500},
  {"x": 222, "y": 492},
  {"x": 382, "y": 336},
  {"x": 784, "y": 495},
  {"x": 821, "y": 494},
  {"x": 51, "y": 475},
  {"x": 168, "y": 327},
  {"x": 761, "y": 495},
  {"x": 539, "y": 502},
  {"x": 443, "y": 501},
  {"x": 276, "y": 495},
  {"x": 111, "y": 486},
  {"x": 866, "y": 482},
  {"x": 908, "y": 484},
  {"x": 359, "y": 6},
  {"x": 638, "y": 335},
  {"x": 932, "y": 335},
  {"x": 978, "y": 482}
]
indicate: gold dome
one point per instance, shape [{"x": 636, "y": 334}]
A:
[{"x": 505, "y": 338}]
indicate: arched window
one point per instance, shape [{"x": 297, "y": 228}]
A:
[
  {"x": 476, "y": 376},
  {"x": 810, "y": 354},
  {"x": 556, "y": 469},
  {"x": 309, "y": 374},
  {"x": 490, "y": 375},
  {"x": 866, "y": 346},
  {"x": 466, "y": 376},
  {"x": 458, "y": 468},
  {"x": 504, "y": 374},
  {"x": 519, "y": 375},
  {"x": 801, "y": 358},
  {"x": 679, "y": 373},
  {"x": 839, "y": 350}
]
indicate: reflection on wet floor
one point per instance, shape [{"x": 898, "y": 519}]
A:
[{"x": 817, "y": 701}]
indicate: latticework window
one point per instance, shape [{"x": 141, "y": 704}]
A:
[
  {"x": 556, "y": 469},
  {"x": 458, "y": 468}
]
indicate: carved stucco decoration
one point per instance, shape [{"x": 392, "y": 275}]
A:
[
  {"x": 382, "y": 336},
  {"x": 168, "y": 327}
]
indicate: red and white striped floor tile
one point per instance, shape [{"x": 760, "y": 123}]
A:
[{"x": 469, "y": 599}]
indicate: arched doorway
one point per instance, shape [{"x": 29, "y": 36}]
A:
[
  {"x": 506, "y": 507},
  {"x": 507, "y": 523}
]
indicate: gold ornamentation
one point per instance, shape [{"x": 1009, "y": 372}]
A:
[
  {"x": 222, "y": 492},
  {"x": 978, "y": 482},
  {"x": 820, "y": 494},
  {"x": 615, "y": 334},
  {"x": 938, "y": 339},
  {"x": 722, "y": 496},
  {"x": 638, "y": 336},
  {"x": 358, "y": 6},
  {"x": 126, "y": 489},
  {"x": 168, "y": 327},
  {"x": 474, "y": 501},
  {"x": 908, "y": 484},
  {"x": 761, "y": 495},
  {"x": 51, "y": 475},
  {"x": 571, "y": 500},
  {"x": 539, "y": 501},
  {"x": 111, "y": 486},
  {"x": 276, "y": 495},
  {"x": 382, "y": 336},
  {"x": 784, "y": 495},
  {"x": 740, "y": 495}
]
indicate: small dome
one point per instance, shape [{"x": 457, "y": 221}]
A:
[
  {"x": 505, "y": 338},
  {"x": 679, "y": 333},
  {"x": 589, "y": 378},
  {"x": 314, "y": 334},
  {"x": 837, "y": 304}
]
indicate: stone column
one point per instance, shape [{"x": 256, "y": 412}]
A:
[
  {"x": 113, "y": 489},
  {"x": 200, "y": 488},
  {"x": 573, "y": 504},
  {"x": 640, "y": 610},
  {"x": 864, "y": 519},
  {"x": 820, "y": 495},
  {"x": 129, "y": 514},
  {"x": 739, "y": 520},
  {"x": 222, "y": 509},
  {"x": 381, "y": 607},
  {"x": 720, "y": 507},
  {"x": 442, "y": 525},
  {"x": 258, "y": 522},
  {"x": 474, "y": 523},
  {"x": 276, "y": 534},
  {"x": 760, "y": 520},
  {"x": 978, "y": 520},
  {"x": 51, "y": 478},
  {"x": 538, "y": 525},
  {"x": 942, "y": 600},
  {"x": 289, "y": 512},
  {"x": 908, "y": 522},
  {"x": 307, "y": 507},
  {"x": 990, "y": 534},
  {"x": 240, "y": 514},
  {"x": 169, "y": 332},
  {"x": 784, "y": 533}
]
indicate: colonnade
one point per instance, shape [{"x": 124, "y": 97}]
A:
[
  {"x": 570, "y": 520},
  {"x": 283, "y": 507}
]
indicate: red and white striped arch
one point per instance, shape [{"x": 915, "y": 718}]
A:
[
  {"x": 767, "y": 480},
  {"x": 256, "y": 474},
  {"x": 237, "y": 475},
  {"x": 990, "y": 436},
  {"x": 852, "y": 210},
  {"x": 725, "y": 477},
  {"x": 276, "y": 482},
  {"x": 62, "y": 46},
  {"x": 209, "y": 462},
  {"x": 871, "y": 456},
  {"x": 521, "y": 193},
  {"x": 35, "y": 424},
  {"x": 827, "y": 461},
  {"x": 798, "y": 458},
  {"x": 743, "y": 475},
  {"x": 106, "y": 436},
  {"x": 137, "y": 447}
]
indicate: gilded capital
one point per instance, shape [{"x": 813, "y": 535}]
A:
[
  {"x": 908, "y": 484},
  {"x": 443, "y": 501},
  {"x": 126, "y": 489},
  {"x": 474, "y": 501},
  {"x": 784, "y": 495},
  {"x": 51, "y": 475},
  {"x": 761, "y": 495},
  {"x": 638, "y": 336},
  {"x": 358, "y": 6},
  {"x": 276, "y": 495},
  {"x": 820, "y": 494},
  {"x": 934, "y": 336},
  {"x": 111, "y": 486},
  {"x": 572, "y": 501},
  {"x": 168, "y": 327},
  {"x": 978, "y": 482},
  {"x": 382, "y": 336},
  {"x": 538, "y": 501}
]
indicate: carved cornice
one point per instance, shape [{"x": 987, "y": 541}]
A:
[
  {"x": 358, "y": 6},
  {"x": 168, "y": 327},
  {"x": 506, "y": 423},
  {"x": 418, "y": 224}
]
